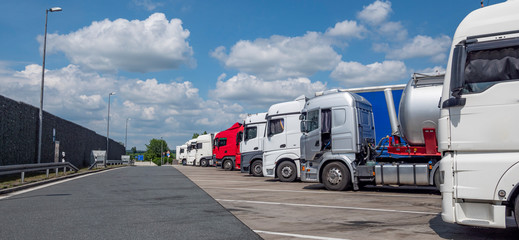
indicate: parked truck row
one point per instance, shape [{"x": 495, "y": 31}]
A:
[{"x": 456, "y": 131}]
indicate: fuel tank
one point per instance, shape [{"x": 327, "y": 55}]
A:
[{"x": 419, "y": 107}]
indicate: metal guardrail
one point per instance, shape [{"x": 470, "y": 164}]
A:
[
  {"x": 22, "y": 168},
  {"x": 110, "y": 162}
]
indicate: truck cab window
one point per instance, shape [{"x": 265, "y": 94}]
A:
[
  {"x": 251, "y": 133},
  {"x": 222, "y": 142},
  {"x": 199, "y": 146},
  {"x": 312, "y": 121},
  {"x": 276, "y": 126},
  {"x": 489, "y": 63}
]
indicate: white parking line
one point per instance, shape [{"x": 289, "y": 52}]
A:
[
  {"x": 229, "y": 181},
  {"x": 50, "y": 184},
  {"x": 321, "y": 192},
  {"x": 298, "y": 235},
  {"x": 326, "y": 206}
]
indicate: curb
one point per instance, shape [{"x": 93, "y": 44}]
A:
[{"x": 38, "y": 183}]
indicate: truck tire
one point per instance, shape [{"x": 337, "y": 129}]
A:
[
  {"x": 227, "y": 165},
  {"x": 204, "y": 163},
  {"x": 336, "y": 177},
  {"x": 437, "y": 179},
  {"x": 184, "y": 162},
  {"x": 287, "y": 171},
  {"x": 257, "y": 168},
  {"x": 516, "y": 210}
]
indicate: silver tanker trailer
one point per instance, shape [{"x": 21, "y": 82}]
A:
[{"x": 338, "y": 145}]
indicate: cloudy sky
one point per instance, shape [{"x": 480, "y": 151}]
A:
[{"x": 185, "y": 66}]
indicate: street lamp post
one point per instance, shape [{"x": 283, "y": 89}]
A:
[
  {"x": 126, "y": 135},
  {"x": 54, "y": 9},
  {"x": 161, "y": 152},
  {"x": 108, "y": 127}
]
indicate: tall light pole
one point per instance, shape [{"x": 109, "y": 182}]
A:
[
  {"x": 161, "y": 151},
  {"x": 126, "y": 134},
  {"x": 108, "y": 127},
  {"x": 54, "y": 9}
]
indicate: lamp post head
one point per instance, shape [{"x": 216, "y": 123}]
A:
[
  {"x": 112, "y": 93},
  {"x": 55, "y": 9}
]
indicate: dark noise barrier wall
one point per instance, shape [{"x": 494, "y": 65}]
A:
[{"x": 19, "y": 137}]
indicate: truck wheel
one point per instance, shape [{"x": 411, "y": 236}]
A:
[
  {"x": 257, "y": 168},
  {"x": 287, "y": 171},
  {"x": 184, "y": 162},
  {"x": 336, "y": 177},
  {"x": 227, "y": 165},
  {"x": 516, "y": 210},
  {"x": 204, "y": 163},
  {"x": 437, "y": 179}
]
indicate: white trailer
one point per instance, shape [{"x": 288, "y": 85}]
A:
[
  {"x": 478, "y": 127},
  {"x": 281, "y": 144},
  {"x": 251, "y": 146},
  {"x": 204, "y": 149}
]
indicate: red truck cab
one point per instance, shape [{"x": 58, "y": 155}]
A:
[{"x": 226, "y": 152}]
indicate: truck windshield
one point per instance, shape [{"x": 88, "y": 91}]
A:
[{"x": 489, "y": 63}]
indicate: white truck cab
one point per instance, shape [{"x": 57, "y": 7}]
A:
[
  {"x": 191, "y": 152},
  {"x": 281, "y": 144},
  {"x": 478, "y": 127},
  {"x": 181, "y": 153},
  {"x": 251, "y": 147},
  {"x": 204, "y": 150}
]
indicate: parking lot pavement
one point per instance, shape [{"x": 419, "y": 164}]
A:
[{"x": 277, "y": 210}]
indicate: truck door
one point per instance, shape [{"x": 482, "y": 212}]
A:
[
  {"x": 312, "y": 136},
  {"x": 483, "y": 110},
  {"x": 250, "y": 139},
  {"x": 489, "y": 73},
  {"x": 342, "y": 130}
]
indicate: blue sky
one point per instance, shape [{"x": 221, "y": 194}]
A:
[{"x": 185, "y": 66}]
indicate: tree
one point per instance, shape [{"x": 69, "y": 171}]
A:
[
  {"x": 195, "y": 135},
  {"x": 205, "y": 132},
  {"x": 134, "y": 150},
  {"x": 154, "y": 148}
]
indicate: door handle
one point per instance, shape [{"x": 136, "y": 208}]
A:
[
  {"x": 317, "y": 143},
  {"x": 225, "y": 151},
  {"x": 282, "y": 145},
  {"x": 256, "y": 148}
]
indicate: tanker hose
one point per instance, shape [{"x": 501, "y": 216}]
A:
[{"x": 380, "y": 142}]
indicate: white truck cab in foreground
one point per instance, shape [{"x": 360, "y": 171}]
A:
[
  {"x": 478, "y": 127},
  {"x": 281, "y": 143}
]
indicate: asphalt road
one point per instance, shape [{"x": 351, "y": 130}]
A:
[
  {"x": 124, "y": 203},
  {"x": 278, "y": 210}
]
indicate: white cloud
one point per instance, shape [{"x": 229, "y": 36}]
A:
[
  {"x": 375, "y": 13},
  {"x": 422, "y": 46},
  {"x": 354, "y": 74},
  {"x": 346, "y": 29},
  {"x": 137, "y": 46},
  {"x": 148, "y": 4},
  {"x": 280, "y": 57},
  {"x": 256, "y": 92},
  {"x": 433, "y": 70},
  {"x": 173, "y": 110}
]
